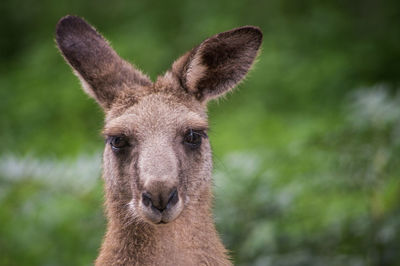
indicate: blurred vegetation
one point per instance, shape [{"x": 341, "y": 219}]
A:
[{"x": 306, "y": 151}]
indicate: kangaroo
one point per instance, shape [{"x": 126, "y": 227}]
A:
[{"x": 157, "y": 160}]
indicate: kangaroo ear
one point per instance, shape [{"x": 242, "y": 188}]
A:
[
  {"x": 219, "y": 63},
  {"x": 102, "y": 72}
]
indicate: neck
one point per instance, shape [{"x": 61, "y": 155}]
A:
[{"x": 191, "y": 239}]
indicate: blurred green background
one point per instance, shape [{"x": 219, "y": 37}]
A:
[{"x": 306, "y": 151}]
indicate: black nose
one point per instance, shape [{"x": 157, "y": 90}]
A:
[{"x": 160, "y": 201}]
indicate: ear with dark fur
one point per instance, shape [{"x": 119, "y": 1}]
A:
[
  {"x": 102, "y": 72},
  {"x": 218, "y": 63}
]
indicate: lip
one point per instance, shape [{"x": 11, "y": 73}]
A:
[{"x": 156, "y": 217}]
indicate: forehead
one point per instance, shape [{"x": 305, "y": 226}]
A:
[{"x": 157, "y": 113}]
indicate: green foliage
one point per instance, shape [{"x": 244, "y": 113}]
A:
[
  {"x": 330, "y": 200},
  {"x": 307, "y": 163},
  {"x": 50, "y": 211}
]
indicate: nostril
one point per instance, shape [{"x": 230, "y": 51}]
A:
[
  {"x": 173, "y": 198},
  {"x": 146, "y": 199},
  {"x": 160, "y": 202}
]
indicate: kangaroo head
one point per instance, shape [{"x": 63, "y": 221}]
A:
[{"x": 157, "y": 158}]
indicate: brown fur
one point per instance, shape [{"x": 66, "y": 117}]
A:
[{"x": 147, "y": 223}]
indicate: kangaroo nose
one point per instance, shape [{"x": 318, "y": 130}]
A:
[{"x": 160, "y": 201}]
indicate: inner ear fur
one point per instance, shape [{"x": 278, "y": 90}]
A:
[
  {"x": 102, "y": 72},
  {"x": 218, "y": 63}
]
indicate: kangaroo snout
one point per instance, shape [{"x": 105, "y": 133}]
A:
[{"x": 161, "y": 202}]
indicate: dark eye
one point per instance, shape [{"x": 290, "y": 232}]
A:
[
  {"x": 193, "y": 138},
  {"x": 118, "y": 142}
]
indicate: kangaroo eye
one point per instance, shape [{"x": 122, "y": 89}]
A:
[
  {"x": 193, "y": 138},
  {"x": 118, "y": 142}
]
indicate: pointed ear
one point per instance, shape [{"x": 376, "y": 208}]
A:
[
  {"x": 102, "y": 72},
  {"x": 218, "y": 63}
]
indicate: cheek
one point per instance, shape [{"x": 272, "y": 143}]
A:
[
  {"x": 118, "y": 173},
  {"x": 206, "y": 161},
  {"x": 109, "y": 170},
  {"x": 196, "y": 167}
]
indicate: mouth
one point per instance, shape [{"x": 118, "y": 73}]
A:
[{"x": 161, "y": 217}]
